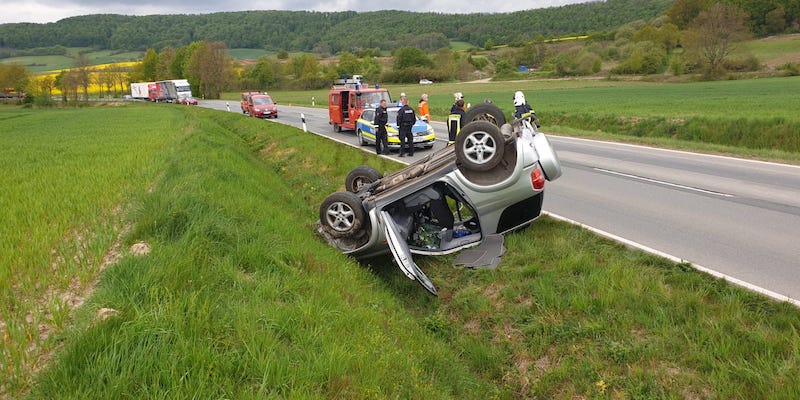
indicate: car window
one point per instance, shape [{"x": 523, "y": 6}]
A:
[
  {"x": 262, "y": 100},
  {"x": 393, "y": 115},
  {"x": 368, "y": 115}
]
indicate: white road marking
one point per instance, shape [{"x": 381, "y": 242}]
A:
[{"x": 665, "y": 183}]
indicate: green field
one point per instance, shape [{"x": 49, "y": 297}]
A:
[
  {"x": 248, "y": 54},
  {"x": 752, "y": 117},
  {"x": 43, "y": 64},
  {"x": 239, "y": 299}
]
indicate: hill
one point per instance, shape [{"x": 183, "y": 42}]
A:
[{"x": 325, "y": 31}]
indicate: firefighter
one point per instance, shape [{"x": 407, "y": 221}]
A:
[
  {"x": 454, "y": 120},
  {"x": 522, "y": 109}
]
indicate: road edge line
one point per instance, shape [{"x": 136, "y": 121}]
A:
[{"x": 738, "y": 282}]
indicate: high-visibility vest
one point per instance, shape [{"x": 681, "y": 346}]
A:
[{"x": 454, "y": 119}]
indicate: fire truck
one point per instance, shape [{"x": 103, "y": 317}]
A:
[{"x": 347, "y": 99}]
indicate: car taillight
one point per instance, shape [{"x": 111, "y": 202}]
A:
[{"x": 537, "y": 178}]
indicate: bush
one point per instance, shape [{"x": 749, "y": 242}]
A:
[
  {"x": 791, "y": 69},
  {"x": 644, "y": 58},
  {"x": 744, "y": 64}
]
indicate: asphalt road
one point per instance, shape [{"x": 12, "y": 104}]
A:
[{"x": 734, "y": 218}]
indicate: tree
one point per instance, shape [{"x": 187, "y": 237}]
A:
[
  {"x": 150, "y": 65},
  {"x": 264, "y": 74},
  {"x": 713, "y": 36},
  {"x": 13, "y": 76},
  {"x": 210, "y": 66},
  {"x": 645, "y": 57},
  {"x": 683, "y": 12},
  {"x": 83, "y": 73},
  {"x": 164, "y": 65},
  {"x": 306, "y": 71},
  {"x": 348, "y": 64},
  {"x": 407, "y": 57}
]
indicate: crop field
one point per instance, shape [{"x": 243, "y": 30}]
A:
[
  {"x": 44, "y": 64},
  {"x": 65, "y": 183},
  {"x": 237, "y": 297}
]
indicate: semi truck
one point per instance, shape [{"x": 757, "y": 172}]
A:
[
  {"x": 171, "y": 90},
  {"x": 141, "y": 90}
]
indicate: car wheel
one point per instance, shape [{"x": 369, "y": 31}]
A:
[
  {"x": 361, "y": 176},
  {"x": 484, "y": 112},
  {"x": 479, "y": 146},
  {"x": 342, "y": 215},
  {"x": 360, "y": 136},
  {"x": 337, "y": 128}
]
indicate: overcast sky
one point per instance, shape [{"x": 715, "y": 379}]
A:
[{"x": 53, "y": 10}]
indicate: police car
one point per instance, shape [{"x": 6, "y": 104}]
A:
[{"x": 365, "y": 130}]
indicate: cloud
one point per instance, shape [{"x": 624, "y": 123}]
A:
[{"x": 41, "y": 11}]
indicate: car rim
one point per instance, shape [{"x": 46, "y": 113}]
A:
[
  {"x": 479, "y": 147},
  {"x": 340, "y": 217},
  {"x": 359, "y": 183}
]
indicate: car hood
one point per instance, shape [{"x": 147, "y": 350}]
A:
[{"x": 419, "y": 127}]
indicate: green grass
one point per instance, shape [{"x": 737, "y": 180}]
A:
[
  {"x": 240, "y": 299},
  {"x": 246, "y": 54},
  {"x": 65, "y": 185},
  {"x": 777, "y": 47},
  {"x": 42, "y": 64}
]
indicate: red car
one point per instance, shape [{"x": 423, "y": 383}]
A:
[
  {"x": 262, "y": 106},
  {"x": 189, "y": 101}
]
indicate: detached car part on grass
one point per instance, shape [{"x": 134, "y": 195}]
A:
[{"x": 490, "y": 182}]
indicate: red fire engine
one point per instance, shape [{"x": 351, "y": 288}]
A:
[{"x": 347, "y": 100}]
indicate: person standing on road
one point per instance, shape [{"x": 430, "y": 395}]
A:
[
  {"x": 454, "y": 120},
  {"x": 381, "y": 119},
  {"x": 424, "y": 113},
  {"x": 405, "y": 121},
  {"x": 522, "y": 109}
]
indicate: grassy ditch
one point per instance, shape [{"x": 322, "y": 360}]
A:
[{"x": 238, "y": 298}]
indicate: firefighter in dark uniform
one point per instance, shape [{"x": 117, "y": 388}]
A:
[
  {"x": 523, "y": 110},
  {"x": 454, "y": 120},
  {"x": 406, "y": 117},
  {"x": 381, "y": 119}
]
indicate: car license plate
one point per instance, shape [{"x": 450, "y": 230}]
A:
[{"x": 418, "y": 139}]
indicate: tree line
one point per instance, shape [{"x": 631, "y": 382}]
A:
[
  {"x": 691, "y": 36},
  {"x": 325, "y": 32}
]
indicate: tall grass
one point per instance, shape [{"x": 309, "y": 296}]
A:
[
  {"x": 66, "y": 178},
  {"x": 239, "y": 299}
]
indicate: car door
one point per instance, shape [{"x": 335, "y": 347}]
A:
[{"x": 402, "y": 254}]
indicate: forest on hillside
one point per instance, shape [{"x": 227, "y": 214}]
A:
[{"x": 328, "y": 32}]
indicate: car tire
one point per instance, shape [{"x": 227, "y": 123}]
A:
[
  {"x": 342, "y": 215},
  {"x": 484, "y": 112},
  {"x": 361, "y": 176},
  {"x": 479, "y": 146},
  {"x": 360, "y": 136},
  {"x": 337, "y": 127}
]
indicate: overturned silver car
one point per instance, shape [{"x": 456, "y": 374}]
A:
[{"x": 489, "y": 182}]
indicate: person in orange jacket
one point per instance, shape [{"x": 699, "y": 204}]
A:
[{"x": 424, "y": 113}]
